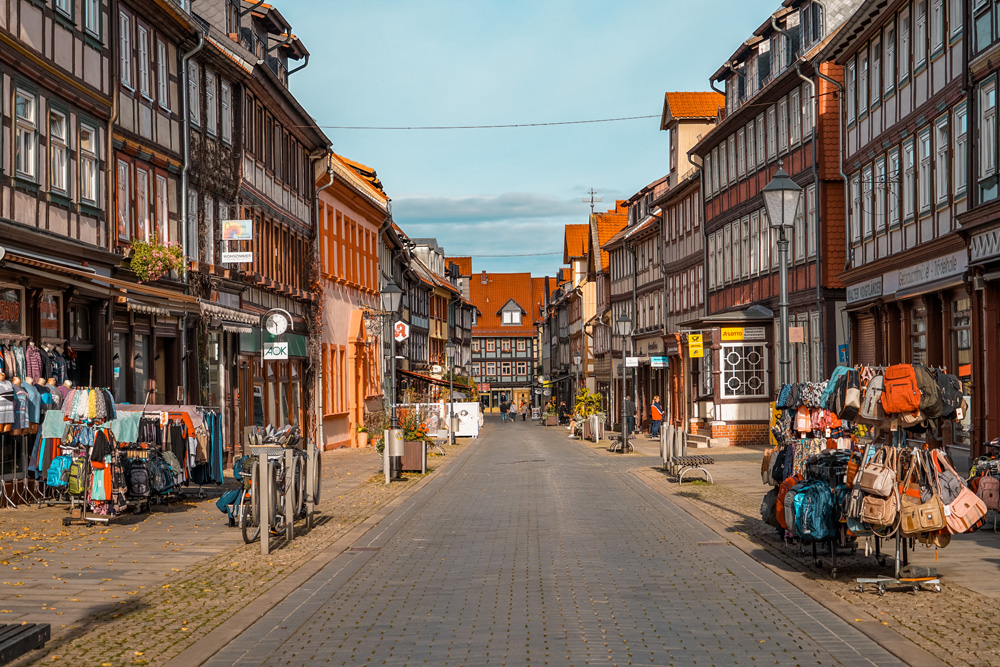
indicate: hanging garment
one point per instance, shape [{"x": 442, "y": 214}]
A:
[
  {"x": 216, "y": 448},
  {"x": 46, "y": 357},
  {"x": 126, "y": 427},
  {"x": 21, "y": 420},
  {"x": 176, "y": 440},
  {"x": 19, "y": 361},
  {"x": 34, "y": 403},
  {"x": 119, "y": 484},
  {"x": 6, "y": 403},
  {"x": 45, "y": 396},
  {"x": 109, "y": 405},
  {"x": 91, "y": 404},
  {"x": 53, "y": 426},
  {"x": 33, "y": 361}
]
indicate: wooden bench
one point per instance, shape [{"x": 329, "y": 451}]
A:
[
  {"x": 16, "y": 639},
  {"x": 681, "y": 465}
]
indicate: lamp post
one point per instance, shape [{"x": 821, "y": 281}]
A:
[
  {"x": 577, "y": 363},
  {"x": 449, "y": 349},
  {"x": 623, "y": 327},
  {"x": 391, "y": 297},
  {"x": 781, "y": 201}
]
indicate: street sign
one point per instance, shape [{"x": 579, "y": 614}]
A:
[
  {"x": 753, "y": 333},
  {"x": 275, "y": 351},
  {"x": 631, "y": 362},
  {"x": 400, "y": 331},
  {"x": 237, "y": 257},
  {"x": 796, "y": 334},
  {"x": 696, "y": 346},
  {"x": 659, "y": 362},
  {"x": 842, "y": 354}
]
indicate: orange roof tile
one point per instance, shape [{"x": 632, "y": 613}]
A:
[
  {"x": 491, "y": 297},
  {"x": 574, "y": 242},
  {"x": 603, "y": 226},
  {"x": 564, "y": 275},
  {"x": 464, "y": 264},
  {"x": 365, "y": 172},
  {"x": 538, "y": 295},
  {"x": 694, "y": 105}
]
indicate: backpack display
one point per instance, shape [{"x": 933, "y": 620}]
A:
[
  {"x": 783, "y": 395},
  {"x": 814, "y": 512},
  {"x": 58, "y": 474},
  {"x": 871, "y": 407},
  {"x": 836, "y": 377},
  {"x": 789, "y": 507},
  {"x": 765, "y": 465},
  {"x": 777, "y": 466},
  {"x": 989, "y": 492},
  {"x": 779, "y": 509},
  {"x": 930, "y": 393},
  {"x": 76, "y": 482},
  {"x": 950, "y": 388},
  {"x": 900, "y": 393},
  {"x": 850, "y": 404},
  {"x": 138, "y": 479},
  {"x": 768, "y": 508},
  {"x": 160, "y": 476}
]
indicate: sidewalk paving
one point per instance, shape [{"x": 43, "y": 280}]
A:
[
  {"x": 141, "y": 590},
  {"x": 957, "y": 626}
]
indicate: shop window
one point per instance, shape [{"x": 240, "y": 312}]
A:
[
  {"x": 11, "y": 311},
  {"x": 918, "y": 335},
  {"x": 961, "y": 364},
  {"x": 744, "y": 370},
  {"x": 50, "y": 313},
  {"x": 79, "y": 324}
]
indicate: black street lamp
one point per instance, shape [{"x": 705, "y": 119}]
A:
[
  {"x": 781, "y": 201},
  {"x": 391, "y": 297},
  {"x": 449, "y": 350},
  {"x": 623, "y": 327}
]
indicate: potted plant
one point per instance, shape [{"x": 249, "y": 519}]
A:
[
  {"x": 415, "y": 433},
  {"x": 362, "y": 436},
  {"x": 551, "y": 414},
  {"x": 151, "y": 260}
]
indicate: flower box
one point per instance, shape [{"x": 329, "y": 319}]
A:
[{"x": 552, "y": 420}]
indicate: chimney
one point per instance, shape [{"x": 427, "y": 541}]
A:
[{"x": 484, "y": 279}]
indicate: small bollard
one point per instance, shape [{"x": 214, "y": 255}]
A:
[
  {"x": 264, "y": 466},
  {"x": 311, "y": 463},
  {"x": 291, "y": 480}
]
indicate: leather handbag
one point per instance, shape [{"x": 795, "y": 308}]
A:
[
  {"x": 880, "y": 512},
  {"x": 878, "y": 476},
  {"x": 966, "y": 509},
  {"x": 920, "y": 517},
  {"x": 855, "y": 498}
]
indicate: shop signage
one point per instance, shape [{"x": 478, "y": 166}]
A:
[
  {"x": 275, "y": 351},
  {"x": 952, "y": 264},
  {"x": 796, "y": 334},
  {"x": 659, "y": 362},
  {"x": 985, "y": 246},
  {"x": 870, "y": 289},
  {"x": 236, "y": 257},
  {"x": 732, "y": 333},
  {"x": 10, "y": 310},
  {"x": 631, "y": 362},
  {"x": 696, "y": 346},
  {"x": 237, "y": 230},
  {"x": 841, "y": 354},
  {"x": 483, "y": 387},
  {"x": 400, "y": 331},
  {"x": 753, "y": 333}
]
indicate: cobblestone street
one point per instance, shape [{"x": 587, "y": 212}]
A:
[{"x": 533, "y": 550}]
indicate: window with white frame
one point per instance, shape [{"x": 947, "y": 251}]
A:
[
  {"x": 852, "y": 87},
  {"x": 711, "y": 261},
  {"x": 955, "y": 17},
  {"x": 211, "y": 110},
  {"x": 521, "y": 346},
  {"x": 741, "y": 153},
  {"x": 162, "y": 210},
  {"x": 772, "y": 132},
  {"x": 727, "y": 246},
  {"x": 491, "y": 368},
  {"x": 700, "y": 291},
  {"x": 855, "y": 221},
  {"x": 192, "y": 221},
  {"x": 919, "y": 33},
  {"x": 880, "y": 191},
  {"x": 162, "y": 74},
  {"x": 143, "y": 227},
  {"x": 25, "y": 134},
  {"x": 92, "y": 17},
  {"x": 961, "y": 149},
  {"x": 723, "y": 166},
  {"x": 924, "y": 173},
  {"x": 64, "y": 7},
  {"x": 720, "y": 257},
  {"x": 937, "y": 26},
  {"x": 867, "y": 202},
  {"x": 709, "y": 186},
  {"x": 816, "y": 343},
  {"x": 909, "y": 179},
  {"x": 811, "y": 221},
  {"x": 783, "y": 125},
  {"x": 225, "y": 99},
  {"x": 987, "y": 128},
  {"x": 123, "y": 201},
  {"x": 794, "y": 117},
  {"x": 745, "y": 253},
  {"x": 751, "y": 148},
  {"x": 863, "y": 83},
  {"x": 58, "y": 152},
  {"x": 125, "y": 49},
  {"x": 942, "y": 144},
  {"x": 88, "y": 164},
  {"x": 208, "y": 251},
  {"x": 716, "y": 183},
  {"x": 475, "y": 346},
  {"x": 194, "y": 93},
  {"x": 761, "y": 141},
  {"x": 744, "y": 369},
  {"x": 737, "y": 251},
  {"x": 808, "y": 100},
  {"x": 890, "y": 59},
  {"x": 754, "y": 243},
  {"x": 511, "y": 317},
  {"x": 904, "y": 47},
  {"x": 876, "y": 68},
  {"x": 732, "y": 158},
  {"x": 799, "y": 233},
  {"x": 522, "y": 368},
  {"x": 505, "y": 345},
  {"x": 893, "y": 178},
  {"x": 142, "y": 39}
]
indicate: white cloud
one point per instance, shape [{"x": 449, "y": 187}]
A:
[{"x": 481, "y": 208}]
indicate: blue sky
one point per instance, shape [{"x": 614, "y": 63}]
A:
[{"x": 483, "y": 62}]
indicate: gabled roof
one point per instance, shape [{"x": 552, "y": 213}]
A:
[
  {"x": 515, "y": 303},
  {"x": 490, "y": 298},
  {"x": 575, "y": 242},
  {"x": 691, "y": 106},
  {"x": 365, "y": 172},
  {"x": 464, "y": 264},
  {"x": 603, "y": 226}
]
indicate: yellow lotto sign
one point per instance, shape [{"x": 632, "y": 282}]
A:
[
  {"x": 732, "y": 333},
  {"x": 696, "y": 347}
]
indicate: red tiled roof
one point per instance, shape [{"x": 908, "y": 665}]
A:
[
  {"x": 603, "y": 226},
  {"x": 564, "y": 275},
  {"x": 491, "y": 297},
  {"x": 694, "y": 105},
  {"x": 574, "y": 242},
  {"x": 365, "y": 172},
  {"x": 464, "y": 264},
  {"x": 538, "y": 295}
]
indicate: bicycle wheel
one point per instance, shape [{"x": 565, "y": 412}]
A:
[
  {"x": 300, "y": 486},
  {"x": 317, "y": 478},
  {"x": 249, "y": 510}
]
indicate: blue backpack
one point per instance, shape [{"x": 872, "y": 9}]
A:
[
  {"x": 827, "y": 396},
  {"x": 814, "y": 519},
  {"x": 58, "y": 475}
]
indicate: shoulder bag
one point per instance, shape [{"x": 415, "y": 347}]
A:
[{"x": 878, "y": 476}]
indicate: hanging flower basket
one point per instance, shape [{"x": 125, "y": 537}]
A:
[{"x": 151, "y": 260}]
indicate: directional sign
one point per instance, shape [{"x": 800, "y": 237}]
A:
[
  {"x": 696, "y": 346},
  {"x": 631, "y": 362},
  {"x": 400, "y": 331},
  {"x": 275, "y": 351}
]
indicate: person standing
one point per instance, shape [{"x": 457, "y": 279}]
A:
[
  {"x": 656, "y": 417},
  {"x": 629, "y": 415},
  {"x": 512, "y": 410},
  {"x": 524, "y": 410},
  {"x": 503, "y": 409}
]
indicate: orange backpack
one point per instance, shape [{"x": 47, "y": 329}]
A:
[{"x": 900, "y": 394}]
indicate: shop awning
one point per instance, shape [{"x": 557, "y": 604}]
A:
[
  {"x": 210, "y": 309},
  {"x": 427, "y": 378},
  {"x": 136, "y": 306},
  {"x": 237, "y": 328}
]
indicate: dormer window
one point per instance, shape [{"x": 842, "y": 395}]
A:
[{"x": 510, "y": 314}]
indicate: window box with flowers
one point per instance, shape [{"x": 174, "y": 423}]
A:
[{"x": 151, "y": 261}]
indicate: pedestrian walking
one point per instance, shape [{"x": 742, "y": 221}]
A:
[
  {"x": 629, "y": 415},
  {"x": 656, "y": 417},
  {"x": 563, "y": 413},
  {"x": 512, "y": 411},
  {"x": 503, "y": 410},
  {"x": 524, "y": 410}
]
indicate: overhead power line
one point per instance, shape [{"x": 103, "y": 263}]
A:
[
  {"x": 481, "y": 127},
  {"x": 530, "y": 254}
]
